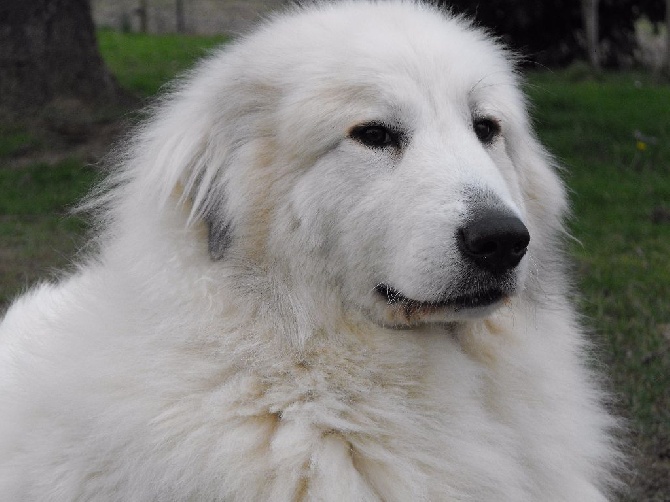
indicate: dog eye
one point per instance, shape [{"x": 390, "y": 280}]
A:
[
  {"x": 375, "y": 136},
  {"x": 486, "y": 129}
]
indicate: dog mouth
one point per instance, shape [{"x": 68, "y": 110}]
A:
[{"x": 482, "y": 298}]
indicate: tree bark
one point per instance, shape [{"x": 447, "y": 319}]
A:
[
  {"x": 590, "y": 22},
  {"x": 181, "y": 21},
  {"x": 143, "y": 13},
  {"x": 667, "y": 37},
  {"x": 48, "y": 50}
]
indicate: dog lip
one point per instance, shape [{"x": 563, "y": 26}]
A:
[{"x": 476, "y": 299}]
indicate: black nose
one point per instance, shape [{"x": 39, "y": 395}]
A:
[{"x": 495, "y": 241}]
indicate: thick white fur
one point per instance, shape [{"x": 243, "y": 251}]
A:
[{"x": 276, "y": 371}]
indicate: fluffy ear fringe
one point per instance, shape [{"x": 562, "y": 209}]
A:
[
  {"x": 177, "y": 157},
  {"x": 547, "y": 207},
  {"x": 539, "y": 173}
]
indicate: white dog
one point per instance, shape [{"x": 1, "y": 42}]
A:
[{"x": 330, "y": 269}]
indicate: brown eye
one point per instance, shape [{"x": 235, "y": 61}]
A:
[
  {"x": 375, "y": 136},
  {"x": 486, "y": 129}
]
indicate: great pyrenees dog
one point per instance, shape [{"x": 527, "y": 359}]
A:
[{"x": 329, "y": 268}]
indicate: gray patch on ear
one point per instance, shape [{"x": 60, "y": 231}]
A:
[{"x": 219, "y": 237}]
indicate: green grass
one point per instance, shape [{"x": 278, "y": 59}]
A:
[
  {"x": 44, "y": 189},
  {"x": 621, "y": 203},
  {"x": 143, "y": 63},
  {"x": 39, "y": 234},
  {"x": 14, "y": 140}
]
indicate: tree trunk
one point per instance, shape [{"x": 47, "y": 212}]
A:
[
  {"x": 48, "y": 50},
  {"x": 143, "y": 13},
  {"x": 590, "y": 22},
  {"x": 667, "y": 37},
  {"x": 181, "y": 22}
]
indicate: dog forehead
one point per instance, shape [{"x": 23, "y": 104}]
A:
[
  {"x": 361, "y": 40},
  {"x": 386, "y": 51},
  {"x": 343, "y": 63}
]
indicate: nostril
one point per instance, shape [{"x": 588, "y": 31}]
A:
[
  {"x": 496, "y": 242},
  {"x": 520, "y": 248},
  {"x": 482, "y": 246}
]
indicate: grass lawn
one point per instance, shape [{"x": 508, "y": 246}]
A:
[
  {"x": 621, "y": 204},
  {"x": 620, "y": 191},
  {"x": 143, "y": 63}
]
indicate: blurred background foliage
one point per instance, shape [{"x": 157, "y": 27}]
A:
[
  {"x": 548, "y": 32},
  {"x": 552, "y": 32}
]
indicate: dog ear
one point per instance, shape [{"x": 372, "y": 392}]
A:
[{"x": 219, "y": 236}]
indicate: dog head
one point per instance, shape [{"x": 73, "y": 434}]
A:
[{"x": 378, "y": 153}]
